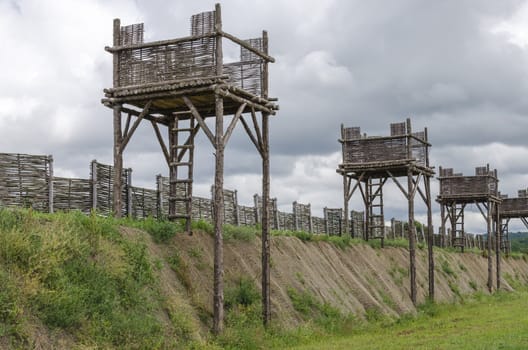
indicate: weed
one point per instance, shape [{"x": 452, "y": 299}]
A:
[
  {"x": 446, "y": 268},
  {"x": 473, "y": 285},
  {"x": 180, "y": 267},
  {"x": 243, "y": 292},
  {"x": 240, "y": 233},
  {"x": 203, "y": 226}
]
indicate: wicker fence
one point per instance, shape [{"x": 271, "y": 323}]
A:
[{"x": 28, "y": 181}]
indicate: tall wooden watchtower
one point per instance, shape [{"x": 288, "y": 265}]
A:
[
  {"x": 177, "y": 84},
  {"x": 369, "y": 161},
  {"x": 456, "y": 192}
]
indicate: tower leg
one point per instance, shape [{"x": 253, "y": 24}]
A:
[{"x": 118, "y": 163}]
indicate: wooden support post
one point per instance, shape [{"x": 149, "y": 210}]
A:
[
  {"x": 430, "y": 237},
  {"x": 498, "y": 238},
  {"x": 50, "y": 184},
  {"x": 345, "y": 204},
  {"x": 118, "y": 135},
  {"x": 93, "y": 167},
  {"x": 490, "y": 258},
  {"x": 266, "y": 297},
  {"x": 412, "y": 238},
  {"x": 118, "y": 163},
  {"x": 218, "y": 283}
]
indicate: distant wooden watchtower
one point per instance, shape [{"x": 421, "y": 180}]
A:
[
  {"x": 370, "y": 161},
  {"x": 178, "y": 84},
  {"x": 512, "y": 208},
  {"x": 456, "y": 192}
]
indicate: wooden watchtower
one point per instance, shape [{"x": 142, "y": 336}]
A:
[
  {"x": 177, "y": 84},
  {"x": 456, "y": 192},
  {"x": 512, "y": 208},
  {"x": 369, "y": 161}
]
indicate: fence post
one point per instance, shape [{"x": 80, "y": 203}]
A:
[
  {"x": 310, "y": 224},
  {"x": 93, "y": 168},
  {"x": 255, "y": 201},
  {"x": 129, "y": 192},
  {"x": 235, "y": 204},
  {"x": 50, "y": 183}
]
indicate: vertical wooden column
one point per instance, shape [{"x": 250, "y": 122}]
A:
[
  {"x": 346, "y": 189},
  {"x": 118, "y": 134},
  {"x": 489, "y": 219},
  {"x": 50, "y": 184},
  {"x": 173, "y": 168},
  {"x": 430, "y": 230},
  {"x": 218, "y": 297},
  {"x": 430, "y": 238},
  {"x": 412, "y": 236},
  {"x": 498, "y": 238},
  {"x": 266, "y": 299}
]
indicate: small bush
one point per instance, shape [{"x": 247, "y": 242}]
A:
[
  {"x": 239, "y": 233},
  {"x": 473, "y": 285},
  {"x": 447, "y": 269},
  {"x": 203, "y": 226},
  {"x": 243, "y": 292}
]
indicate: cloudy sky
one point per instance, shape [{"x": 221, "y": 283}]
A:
[{"x": 459, "y": 68}]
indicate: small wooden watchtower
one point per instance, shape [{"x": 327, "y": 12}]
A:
[
  {"x": 512, "y": 208},
  {"x": 178, "y": 84},
  {"x": 370, "y": 161},
  {"x": 456, "y": 192}
]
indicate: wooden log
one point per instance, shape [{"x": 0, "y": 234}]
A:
[
  {"x": 266, "y": 251},
  {"x": 246, "y": 46},
  {"x": 250, "y": 134},
  {"x": 128, "y": 135},
  {"x": 161, "y": 142},
  {"x": 200, "y": 120},
  {"x": 430, "y": 239},
  {"x": 232, "y": 125},
  {"x": 117, "y": 48},
  {"x": 118, "y": 162},
  {"x": 218, "y": 283},
  {"x": 490, "y": 258},
  {"x": 498, "y": 238}
]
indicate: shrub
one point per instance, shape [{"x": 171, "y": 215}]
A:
[{"x": 242, "y": 292}]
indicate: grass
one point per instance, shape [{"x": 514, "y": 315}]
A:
[
  {"x": 77, "y": 274},
  {"x": 482, "y": 322}
]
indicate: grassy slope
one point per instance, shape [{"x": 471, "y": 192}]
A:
[
  {"x": 491, "y": 322},
  {"x": 76, "y": 281}
]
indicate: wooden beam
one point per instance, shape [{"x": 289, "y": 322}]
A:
[
  {"x": 161, "y": 142},
  {"x": 161, "y": 120},
  {"x": 239, "y": 99},
  {"x": 256, "y": 126},
  {"x": 188, "y": 142},
  {"x": 217, "y": 141},
  {"x": 482, "y": 211},
  {"x": 250, "y": 134},
  {"x": 358, "y": 181},
  {"x": 398, "y": 184},
  {"x": 127, "y": 125},
  {"x": 200, "y": 120},
  {"x": 117, "y": 48},
  {"x": 233, "y": 123},
  {"x": 246, "y": 46},
  {"x": 126, "y": 139}
]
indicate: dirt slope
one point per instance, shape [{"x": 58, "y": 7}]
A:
[{"x": 352, "y": 279}]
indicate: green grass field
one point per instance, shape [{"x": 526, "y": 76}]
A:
[{"x": 483, "y": 322}]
